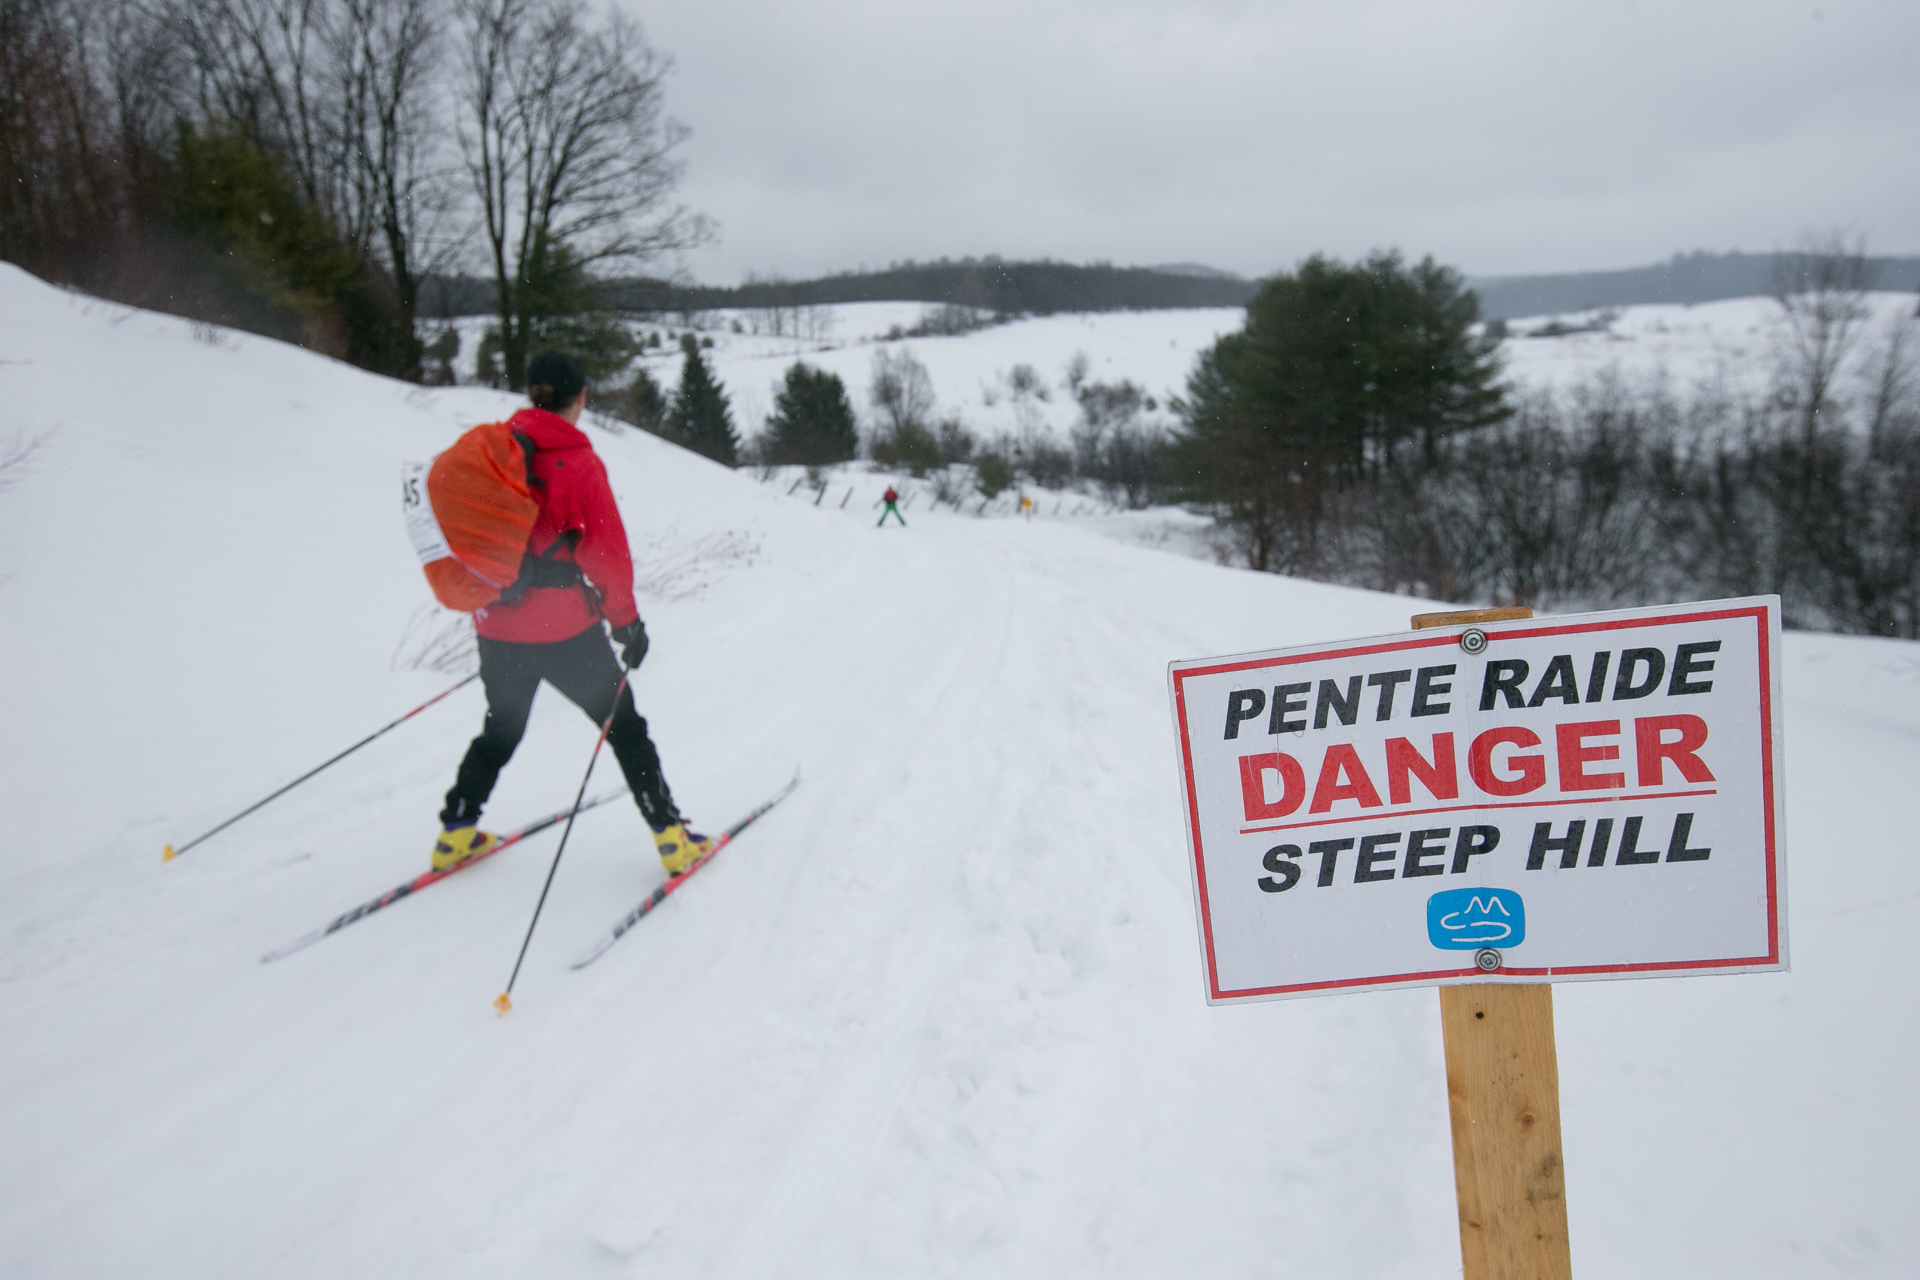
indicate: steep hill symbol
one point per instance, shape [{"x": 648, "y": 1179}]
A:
[
  {"x": 1477, "y": 923},
  {"x": 1466, "y": 919}
]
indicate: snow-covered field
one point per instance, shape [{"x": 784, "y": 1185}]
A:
[
  {"x": 1729, "y": 344},
  {"x": 969, "y": 372},
  {"x": 939, "y": 1015},
  {"x": 1734, "y": 344}
]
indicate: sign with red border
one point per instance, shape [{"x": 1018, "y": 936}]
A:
[{"x": 1549, "y": 800}]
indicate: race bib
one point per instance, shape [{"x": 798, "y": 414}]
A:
[{"x": 428, "y": 542}]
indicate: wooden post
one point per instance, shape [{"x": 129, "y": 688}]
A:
[{"x": 1503, "y": 1097}]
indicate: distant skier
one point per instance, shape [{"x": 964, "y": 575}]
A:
[
  {"x": 1026, "y": 506},
  {"x": 576, "y": 572},
  {"x": 890, "y": 498}
]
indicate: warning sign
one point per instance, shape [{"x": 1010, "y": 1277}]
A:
[{"x": 1594, "y": 796}]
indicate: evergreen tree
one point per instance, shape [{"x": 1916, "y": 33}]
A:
[
  {"x": 249, "y": 250},
  {"x": 812, "y": 421},
  {"x": 562, "y": 308},
  {"x": 701, "y": 420},
  {"x": 1338, "y": 370},
  {"x": 642, "y": 403}
]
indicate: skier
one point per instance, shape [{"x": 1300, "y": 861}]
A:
[
  {"x": 577, "y": 573},
  {"x": 890, "y": 498},
  {"x": 1026, "y": 506}
]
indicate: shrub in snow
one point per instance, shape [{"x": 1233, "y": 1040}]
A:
[
  {"x": 993, "y": 475},
  {"x": 957, "y": 444},
  {"x": 1128, "y": 459},
  {"x": 910, "y": 445}
]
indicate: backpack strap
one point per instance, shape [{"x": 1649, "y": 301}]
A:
[
  {"x": 546, "y": 570},
  {"x": 526, "y": 444}
]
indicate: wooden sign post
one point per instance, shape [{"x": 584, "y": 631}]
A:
[{"x": 1503, "y": 1096}]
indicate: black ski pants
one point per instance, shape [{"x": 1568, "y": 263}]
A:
[{"x": 586, "y": 672}]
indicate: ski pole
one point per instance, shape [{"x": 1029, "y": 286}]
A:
[
  {"x": 505, "y": 1000},
  {"x": 170, "y": 853}
]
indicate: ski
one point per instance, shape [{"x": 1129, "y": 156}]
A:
[
  {"x": 419, "y": 882},
  {"x": 667, "y": 886}
]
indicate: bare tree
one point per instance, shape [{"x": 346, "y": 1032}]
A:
[
  {"x": 568, "y": 148},
  {"x": 1894, "y": 383},
  {"x": 385, "y": 56},
  {"x": 263, "y": 66},
  {"x": 60, "y": 185},
  {"x": 901, "y": 391},
  {"x": 1112, "y": 447},
  {"x": 1822, "y": 295},
  {"x": 1858, "y": 520}
]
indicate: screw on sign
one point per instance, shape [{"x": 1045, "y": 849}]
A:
[{"x": 1490, "y": 804}]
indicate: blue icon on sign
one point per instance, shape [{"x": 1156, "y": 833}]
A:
[{"x": 1468, "y": 919}]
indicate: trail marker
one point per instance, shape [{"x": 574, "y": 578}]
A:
[{"x": 1488, "y": 804}]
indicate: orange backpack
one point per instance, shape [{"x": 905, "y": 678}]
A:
[{"x": 470, "y": 513}]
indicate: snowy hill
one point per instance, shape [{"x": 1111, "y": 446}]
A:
[
  {"x": 939, "y": 1015},
  {"x": 1730, "y": 343},
  {"x": 1733, "y": 344}
]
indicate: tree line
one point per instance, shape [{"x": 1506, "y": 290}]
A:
[
  {"x": 299, "y": 167},
  {"x": 1357, "y": 430},
  {"x": 1685, "y": 278},
  {"x": 982, "y": 284}
]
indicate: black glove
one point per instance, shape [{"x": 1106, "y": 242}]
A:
[{"x": 632, "y": 640}]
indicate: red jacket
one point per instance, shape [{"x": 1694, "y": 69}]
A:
[{"x": 573, "y": 496}]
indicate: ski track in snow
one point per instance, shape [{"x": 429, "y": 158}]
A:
[{"x": 939, "y": 1014}]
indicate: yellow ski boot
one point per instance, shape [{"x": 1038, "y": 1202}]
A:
[
  {"x": 461, "y": 844},
  {"x": 680, "y": 848}
]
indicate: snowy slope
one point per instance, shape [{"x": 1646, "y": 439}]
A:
[{"x": 941, "y": 1014}]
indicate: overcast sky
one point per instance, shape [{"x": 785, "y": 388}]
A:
[{"x": 1500, "y": 137}]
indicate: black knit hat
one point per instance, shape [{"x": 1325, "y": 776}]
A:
[{"x": 554, "y": 380}]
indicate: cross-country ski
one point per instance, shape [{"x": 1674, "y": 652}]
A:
[
  {"x": 431, "y": 877},
  {"x": 672, "y": 883}
]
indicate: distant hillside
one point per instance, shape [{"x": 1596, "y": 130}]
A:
[
  {"x": 1688, "y": 277},
  {"x": 1034, "y": 288},
  {"x": 1045, "y": 288}
]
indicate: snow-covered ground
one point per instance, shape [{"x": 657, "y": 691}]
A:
[{"x": 939, "y": 1015}]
